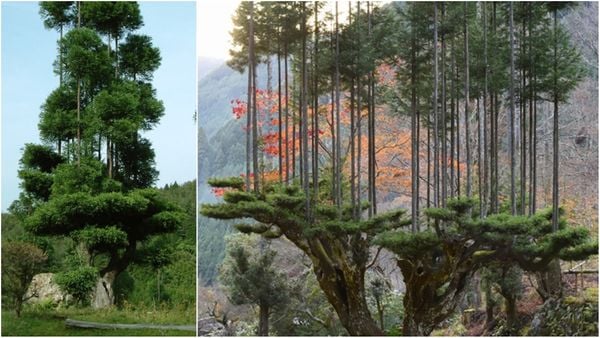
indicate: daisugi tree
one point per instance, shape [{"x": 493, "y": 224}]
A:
[
  {"x": 91, "y": 179},
  {"x": 329, "y": 128}
]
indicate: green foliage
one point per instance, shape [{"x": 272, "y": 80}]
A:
[
  {"x": 410, "y": 245},
  {"x": 20, "y": 262},
  {"x": 229, "y": 182},
  {"x": 78, "y": 282},
  {"x": 112, "y": 18},
  {"x": 253, "y": 279},
  {"x": 57, "y": 118},
  {"x": 40, "y": 157},
  {"x": 87, "y": 177},
  {"x": 56, "y": 14},
  {"x": 85, "y": 57},
  {"x": 138, "y": 58},
  {"x": 101, "y": 239},
  {"x": 571, "y": 316}
]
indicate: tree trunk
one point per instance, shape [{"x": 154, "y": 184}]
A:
[
  {"x": 249, "y": 107},
  {"x": 444, "y": 142},
  {"x": 513, "y": 204},
  {"x": 467, "y": 99},
  {"x": 344, "y": 288},
  {"x": 287, "y": 116},
  {"x": 263, "y": 320},
  {"x": 338, "y": 148},
  {"x": 512, "y": 321},
  {"x": 435, "y": 110},
  {"x": 304, "y": 118},
  {"x": 104, "y": 295}
]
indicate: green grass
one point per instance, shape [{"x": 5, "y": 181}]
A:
[{"x": 51, "y": 322}]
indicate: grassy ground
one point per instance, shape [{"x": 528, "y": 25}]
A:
[{"x": 51, "y": 322}]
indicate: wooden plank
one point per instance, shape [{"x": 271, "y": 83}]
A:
[{"x": 94, "y": 325}]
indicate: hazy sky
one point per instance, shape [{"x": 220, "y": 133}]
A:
[
  {"x": 214, "y": 25},
  {"x": 28, "y": 51}
]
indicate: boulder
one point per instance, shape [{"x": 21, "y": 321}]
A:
[{"x": 43, "y": 289}]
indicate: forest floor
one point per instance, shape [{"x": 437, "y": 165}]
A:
[{"x": 51, "y": 322}]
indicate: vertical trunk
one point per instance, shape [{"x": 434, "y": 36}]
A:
[
  {"x": 337, "y": 159},
  {"x": 353, "y": 125},
  {"x": 555, "y": 197},
  {"x": 495, "y": 109},
  {"x": 483, "y": 189},
  {"x": 263, "y": 320},
  {"x": 523, "y": 133},
  {"x": 109, "y": 163},
  {"x": 315, "y": 132},
  {"x": 444, "y": 117},
  {"x": 467, "y": 99},
  {"x": 457, "y": 121},
  {"x": 479, "y": 166},
  {"x": 279, "y": 113},
  {"x": 372, "y": 159},
  {"x": 513, "y": 205},
  {"x": 78, "y": 96},
  {"x": 452, "y": 112},
  {"x": 249, "y": 102},
  {"x": 512, "y": 320},
  {"x": 287, "y": 116},
  {"x": 435, "y": 109},
  {"x": 60, "y": 61},
  {"x": 255, "y": 167},
  {"x": 414, "y": 139},
  {"x": 304, "y": 117}
]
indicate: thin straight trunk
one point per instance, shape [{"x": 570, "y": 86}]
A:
[
  {"x": 337, "y": 159},
  {"x": 555, "y": 197},
  {"x": 531, "y": 124},
  {"x": 353, "y": 126},
  {"x": 534, "y": 152},
  {"x": 479, "y": 166},
  {"x": 263, "y": 321},
  {"x": 373, "y": 164},
  {"x": 428, "y": 160},
  {"x": 359, "y": 139},
  {"x": 444, "y": 122},
  {"x": 293, "y": 134},
  {"x": 315, "y": 133},
  {"x": 287, "y": 116},
  {"x": 255, "y": 168},
  {"x": 109, "y": 162},
  {"x": 483, "y": 188},
  {"x": 249, "y": 104},
  {"x": 304, "y": 112},
  {"x": 78, "y": 96},
  {"x": 523, "y": 124},
  {"x": 495, "y": 113},
  {"x": 414, "y": 139},
  {"x": 467, "y": 98},
  {"x": 513, "y": 204},
  {"x": 60, "y": 65},
  {"x": 353, "y": 152},
  {"x": 435, "y": 110},
  {"x": 457, "y": 120},
  {"x": 452, "y": 112},
  {"x": 279, "y": 113}
]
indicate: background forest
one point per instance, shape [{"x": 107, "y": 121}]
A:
[
  {"x": 401, "y": 170},
  {"x": 90, "y": 237}
]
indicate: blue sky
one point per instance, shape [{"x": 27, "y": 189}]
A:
[{"x": 28, "y": 51}]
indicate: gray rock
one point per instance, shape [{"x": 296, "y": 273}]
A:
[{"x": 44, "y": 289}]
